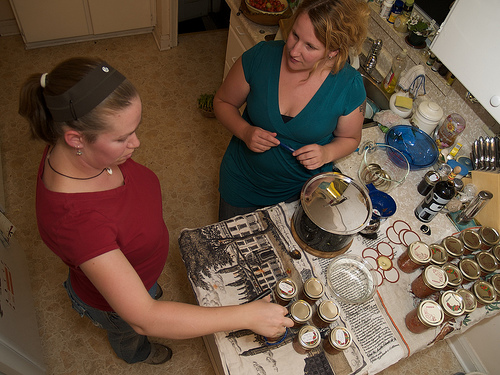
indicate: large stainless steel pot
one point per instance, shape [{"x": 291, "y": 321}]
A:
[{"x": 333, "y": 208}]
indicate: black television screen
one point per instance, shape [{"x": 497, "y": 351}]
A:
[{"x": 435, "y": 9}]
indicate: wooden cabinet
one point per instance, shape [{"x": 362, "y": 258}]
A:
[
  {"x": 238, "y": 41},
  {"x": 52, "y": 22}
]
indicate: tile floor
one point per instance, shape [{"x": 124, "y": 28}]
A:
[{"x": 181, "y": 146}]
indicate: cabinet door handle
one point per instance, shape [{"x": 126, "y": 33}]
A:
[{"x": 238, "y": 29}]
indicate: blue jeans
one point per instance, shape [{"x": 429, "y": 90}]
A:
[{"x": 127, "y": 344}]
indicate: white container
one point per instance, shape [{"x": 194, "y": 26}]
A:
[
  {"x": 402, "y": 112},
  {"x": 427, "y": 116}
]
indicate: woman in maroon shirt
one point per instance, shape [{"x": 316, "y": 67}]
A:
[{"x": 100, "y": 212}]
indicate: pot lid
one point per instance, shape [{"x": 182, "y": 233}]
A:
[{"x": 336, "y": 203}]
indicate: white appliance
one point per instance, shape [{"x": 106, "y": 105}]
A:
[{"x": 20, "y": 346}]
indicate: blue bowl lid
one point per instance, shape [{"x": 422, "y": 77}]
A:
[{"x": 417, "y": 146}]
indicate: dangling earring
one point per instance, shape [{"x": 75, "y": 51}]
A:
[{"x": 78, "y": 152}]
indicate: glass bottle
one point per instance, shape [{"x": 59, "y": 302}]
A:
[
  {"x": 453, "y": 125},
  {"x": 392, "y": 78},
  {"x": 434, "y": 202}
]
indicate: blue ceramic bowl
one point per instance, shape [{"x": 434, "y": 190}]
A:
[{"x": 418, "y": 147}]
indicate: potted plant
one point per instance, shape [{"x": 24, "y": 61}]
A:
[
  {"x": 419, "y": 30},
  {"x": 206, "y": 104}
]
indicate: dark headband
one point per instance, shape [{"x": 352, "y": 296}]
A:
[{"x": 85, "y": 95}]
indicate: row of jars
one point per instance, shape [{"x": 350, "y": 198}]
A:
[
  {"x": 300, "y": 306},
  {"x": 469, "y": 242}
]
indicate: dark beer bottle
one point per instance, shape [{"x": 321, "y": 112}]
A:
[{"x": 434, "y": 202}]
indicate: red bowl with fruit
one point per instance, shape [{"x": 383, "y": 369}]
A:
[{"x": 267, "y": 7}]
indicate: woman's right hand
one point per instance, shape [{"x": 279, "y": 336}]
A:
[
  {"x": 267, "y": 319},
  {"x": 259, "y": 140}
]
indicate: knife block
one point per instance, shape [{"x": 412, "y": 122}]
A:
[{"x": 489, "y": 215}]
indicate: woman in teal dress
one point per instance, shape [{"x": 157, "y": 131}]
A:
[{"x": 304, "y": 107}]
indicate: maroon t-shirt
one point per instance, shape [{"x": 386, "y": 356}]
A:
[{"x": 80, "y": 226}]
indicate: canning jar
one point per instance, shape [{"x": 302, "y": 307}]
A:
[
  {"x": 326, "y": 313},
  {"x": 428, "y": 314},
  {"x": 487, "y": 262},
  {"x": 439, "y": 256},
  {"x": 312, "y": 290},
  {"x": 470, "y": 270},
  {"x": 306, "y": 339},
  {"x": 285, "y": 291},
  {"x": 452, "y": 304},
  {"x": 471, "y": 241},
  {"x": 484, "y": 293},
  {"x": 489, "y": 237},
  {"x": 300, "y": 312},
  {"x": 415, "y": 256},
  {"x": 495, "y": 251},
  {"x": 431, "y": 280},
  {"x": 455, "y": 277},
  {"x": 495, "y": 281},
  {"x": 339, "y": 339},
  {"x": 453, "y": 246},
  {"x": 470, "y": 301}
]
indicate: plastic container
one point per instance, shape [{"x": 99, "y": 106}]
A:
[
  {"x": 448, "y": 131},
  {"x": 386, "y": 7},
  {"x": 392, "y": 78}
]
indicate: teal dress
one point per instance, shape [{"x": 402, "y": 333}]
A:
[{"x": 251, "y": 179}]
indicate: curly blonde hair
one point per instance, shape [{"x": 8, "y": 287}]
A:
[{"x": 339, "y": 24}]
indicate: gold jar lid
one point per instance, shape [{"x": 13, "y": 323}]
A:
[
  {"x": 309, "y": 337},
  {"x": 489, "y": 236},
  {"x": 313, "y": 288},
  {"x": 434, "y": 277},
  {"x": 300, "y": 311},
  {"x": 470, "y": 301},
  {"x": 470, "y": 239},
  {"x": 495, "y": 250},
  {"x": 286, "y": 289},
  {"x": 452, "y": 303},
  {"x": 340, "y": 338},
  {"x": 495, "y": 281},
  {"x": 439, "y": 256},
  {"x": 430, "y": 313},
  {"x": 453, "y": 246},
  {"x": 455, "y": 277},
  {"x": 486, "y": 261},
  {"x": 328, "y": 311},
  {"x": 419, "y": 253},
  {"x": 484, "y": 292},
  {"x": 470, "y": 269}
]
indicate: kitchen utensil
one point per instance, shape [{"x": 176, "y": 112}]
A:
[
  {"x": 383, "y": 205},
  {"x": 485, "y": 154},
  {"x": 351, "y": 279},
  {"x": 333, "y": 208},
  {"x": 417, "y": 146},
  {"x": 383, "y": 166}
]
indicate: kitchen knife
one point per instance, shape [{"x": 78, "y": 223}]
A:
[
  {"x": 474, "y": 157},
  {"x": 491, "y": 149},
  {"x": 480, "y": 153}
]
